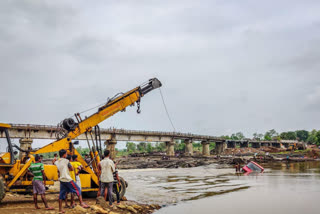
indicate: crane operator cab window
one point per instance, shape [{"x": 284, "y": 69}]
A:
[{"x": 6, "y": 156}]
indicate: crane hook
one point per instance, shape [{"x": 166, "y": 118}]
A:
[{"x": 138, "y": 105}]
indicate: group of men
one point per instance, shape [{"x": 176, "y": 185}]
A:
[{"x": 68, "y": 171}]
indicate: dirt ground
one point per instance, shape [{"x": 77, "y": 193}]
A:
[{"x": 23, "y": 204}]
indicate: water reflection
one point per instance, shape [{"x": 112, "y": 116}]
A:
[{"x": 283, "y": 188}]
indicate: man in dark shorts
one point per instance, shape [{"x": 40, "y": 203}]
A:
[
  {"x": 39, "y": 180},
  {"x": 106, "y": 167},
  {"x": 66, "y": 182}
]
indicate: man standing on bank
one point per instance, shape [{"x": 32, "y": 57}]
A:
[
  {"x": 67, "y": 185},
  {"x": 106, "y": 167},
  {"x": 39, "y": 181}
]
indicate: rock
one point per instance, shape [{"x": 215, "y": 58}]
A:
[
  {"x": 102, "y": 202},
  {"x": 131, "y": 209},
  {"x": 137, "y": 207},
  {"x": 121, "y": 206},
  {"x": 80, "y": 209},
  {"x": 113, "y": 212},
  {"x": 155, "y": 206},
  {"x": 124, "y": 198},
  {"x": 98, "y": 209}
]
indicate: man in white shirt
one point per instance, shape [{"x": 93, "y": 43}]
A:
[
  {"x": 106, "y": 167},
  {"x": 67, "y": 185}
]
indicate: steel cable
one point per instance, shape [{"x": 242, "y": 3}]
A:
[{"x": 165, "y": 107}]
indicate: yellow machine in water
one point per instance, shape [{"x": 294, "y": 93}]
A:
[{"x": 13, "y": 176}]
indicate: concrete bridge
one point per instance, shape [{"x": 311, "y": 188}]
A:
[
  {"x": 27, "y": 132},
  {"x": 258, "y": 144}
]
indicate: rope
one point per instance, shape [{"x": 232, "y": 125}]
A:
[
  {"x": 165, "y": 107},
  {"x": 93, "y": 108}
]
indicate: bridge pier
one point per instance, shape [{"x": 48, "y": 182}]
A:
[
  {"x": 277, "y": 145},
  {"x": 244, "y": 144},
  {"x": 25, "y": 144},
  {"x": 205, "y": 148},
  {"x": 170, "y": 148},
  {"x": 111, "y": 146},
  {"x": 231, "y": 144},
  {"x": 219, "y": 147},
  {"x": 188, "y": 148}
]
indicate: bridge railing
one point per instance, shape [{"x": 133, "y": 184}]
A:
[{"x": 120, "y": 131}]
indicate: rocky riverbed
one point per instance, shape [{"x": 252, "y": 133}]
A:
[
  {"x": 17, "y": 204},
  {"x": 195, "y": 161}
]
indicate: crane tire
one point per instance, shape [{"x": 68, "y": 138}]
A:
[
  {"x": 2, "y": 188},
  {"x": 122, "y": 189}
]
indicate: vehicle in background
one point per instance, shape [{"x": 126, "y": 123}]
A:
[{"x": 252, "y": 167}]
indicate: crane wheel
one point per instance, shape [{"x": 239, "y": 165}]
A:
[
  {"x": 2, "y": 188},
  {"x": 122, "y": 189}
]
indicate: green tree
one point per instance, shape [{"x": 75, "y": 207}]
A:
[
  {"x": 302, "y": 135},
  {"x": 196, "y": 146},
  {"x": 82, "y": 151},
  {"x": 226, "y": 137},
  {"x": 212, "y": 146},
  {"x": 257, "y": 136},
  {"x": 142, "y": 147},
  {"x": 288, "y": 135},
  {"x": 131, "y": 147},
  {"x": 318, "y": 138},
  {"x": 179, "y": 146},
  {"x": 270, "y": 135},
  {"x": 313, "y": 139},
  {"x": 149, "y": 148},
  {"x": 237, "y": 136},
  {"x": 160, "y": 147}
]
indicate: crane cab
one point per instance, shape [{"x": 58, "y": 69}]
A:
[{"x": 6, "y": 151}]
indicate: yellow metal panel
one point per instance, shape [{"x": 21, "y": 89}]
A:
[
  {"x": 4, "y": 125},
  {"x": 15, "y": 168},
  {"x": 85, "y": 180},
  {"x": 21, "y": 172},
  {"x": 5, "y": 158},
  {"x": 29, "y": 183},
  {"x": 54, "y": 147},
  {"x": 90, "y": 190},
  {"x": 86, "y": 167},
  {"x": 51, "y": 172}
]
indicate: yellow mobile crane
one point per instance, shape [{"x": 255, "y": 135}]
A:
[{"x": 13, "y": 176}]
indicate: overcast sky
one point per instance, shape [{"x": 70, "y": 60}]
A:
[{"x": 226, "y": 66}]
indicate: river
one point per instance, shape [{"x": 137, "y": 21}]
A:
[{"x": 282, "y": 188}]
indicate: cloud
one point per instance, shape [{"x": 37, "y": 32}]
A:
[
  {"x": 225, "y": 66},
  {"x": 313, "y": 100}
]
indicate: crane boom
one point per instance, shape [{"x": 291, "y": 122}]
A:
[{"x": 110, "y": 108}]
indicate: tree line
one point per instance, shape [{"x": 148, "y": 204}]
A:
[{"x": 312, "y": 137}]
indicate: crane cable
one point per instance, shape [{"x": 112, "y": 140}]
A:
[{"x": 165, "y": 107}]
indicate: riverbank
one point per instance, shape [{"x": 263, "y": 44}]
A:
[
  {"x": 17, "y": 204},
  {"x": 229, "y": 157}
]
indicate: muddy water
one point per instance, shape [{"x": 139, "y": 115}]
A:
[{"x": 282, "y": 188}]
